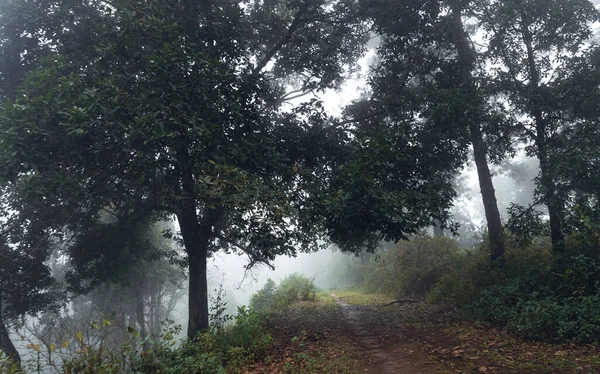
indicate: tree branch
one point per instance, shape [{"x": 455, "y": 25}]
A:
[
  {"x": 402, "y": 301},
  {"x": 359, "y": 119},
  {"x": 296, "y": 23}
]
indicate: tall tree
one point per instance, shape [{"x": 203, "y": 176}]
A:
[
  {"x": 426, "y": 74},
  {"x": 173, "y": 106},
  {"x": 530, "y": 43}
]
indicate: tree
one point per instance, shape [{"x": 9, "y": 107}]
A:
[
  {"x": 425, "y": 76},
  {"x": 176, "y": 107},
  {"x": 126, "y": 269},
  {"x": 172, "y": 106},
  {"x": 25, "y": 284},
  {"x": 531, "y": 43}
]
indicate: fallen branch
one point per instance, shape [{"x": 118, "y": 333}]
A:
[{"x": 403, "y": 301}]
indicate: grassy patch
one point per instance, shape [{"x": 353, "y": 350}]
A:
[{"x": 358, "y": 298}]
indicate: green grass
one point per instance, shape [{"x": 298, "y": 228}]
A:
[{"x": 358, "y": 298}]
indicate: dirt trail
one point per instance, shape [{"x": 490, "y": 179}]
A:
[{"x": 389, "y": 349}]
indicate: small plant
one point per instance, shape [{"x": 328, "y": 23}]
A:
[
  {"x": 8, "y": 366},
  {"x": 218, "y": 316}
]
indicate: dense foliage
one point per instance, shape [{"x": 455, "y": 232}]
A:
[
  {"x": 528, "y": 296},
  {"x": 116, "y": 115}
]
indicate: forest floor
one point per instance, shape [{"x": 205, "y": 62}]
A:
[{"x": 349, "y": 332}]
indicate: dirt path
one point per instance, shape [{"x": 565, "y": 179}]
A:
[
  {"x": 357, "y": 333},
  {"x": 389, "y": 349}
]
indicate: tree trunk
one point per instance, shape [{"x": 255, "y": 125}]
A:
[
  {"x": 438, "y": 231},
  {"x": 198, "y": 294},
  {"x": 466, "y": 59},
  {"x": 547, "y": 180},
  {"x": 552, "y": 202},
  {"x": 6, "y": 345},
  {"x": 488, "y": 195},
  {"x": 141, "y": 320},
  {"x": 196, "y": 239}
]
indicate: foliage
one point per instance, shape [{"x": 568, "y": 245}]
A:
[
  {"x": 262, "y": 301},
  {"x": 525, "y": 224},
  {"x": 26, "y": 285},
  {"x": 534, "y": 295},
  {"x": 7, "y": 365},
  {"x": 294, "y": 287},
  {"x": 176, "y": 108},
  {"x": 530, "y": 296},
  {"x": 214, "y": 351},
  {"x": 410, "y": 268}
]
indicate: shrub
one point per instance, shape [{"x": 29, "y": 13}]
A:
[
  {"x": 410, "y": 268},
  {"x": 220, "y": 350},
  {"x": 422, "y": 262},
  {"x": 541, "y": 303},
  {"x": 262, "y": 301},
  {"x": 294, "y": 287}
]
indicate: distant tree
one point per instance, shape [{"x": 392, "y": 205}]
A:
[
  {"x": 26, "y": 286},
  {"x": 261, "y": 301},
  {"x": 128, "y": 270}
]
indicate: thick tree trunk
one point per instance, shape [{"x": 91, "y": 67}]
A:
[
  {"x": 196, "y": 246},
  {"x": 466, "y": 60},
  {"x": 198, "y": 294},
  {"x": 6, "y": 345}
]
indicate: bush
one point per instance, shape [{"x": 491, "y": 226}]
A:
[
  {"x": 410, "y": 268},
  {"x": 422, "y": 262},
  {"x": 294, "y": 287},
  {"x": 262, "y": 301},
  {"x": 532, "y": 297},
  {"x": 7, "y": 365},
  {"x": 220, "y": 350}
]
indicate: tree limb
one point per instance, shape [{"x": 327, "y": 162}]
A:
[
  {"x": 402, "y": 301},
  {"x": 296, "y": 23}
]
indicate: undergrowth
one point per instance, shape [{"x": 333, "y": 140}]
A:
[
  {"x": 534, "y": 294},
  {"x": 293, "y": 288},
  {"x": 225, "y": 348}
]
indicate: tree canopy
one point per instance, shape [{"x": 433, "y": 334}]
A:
[{"x": 176, "y": 107}]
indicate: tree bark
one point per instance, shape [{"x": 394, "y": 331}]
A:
[
  {"x": 6, "y": 345},
  {"x": 466, "y": 60},
  {"x": 196, "y": 247},
  {"x": 198, "y": 293},
  {"x": 488, "y": 195}
]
